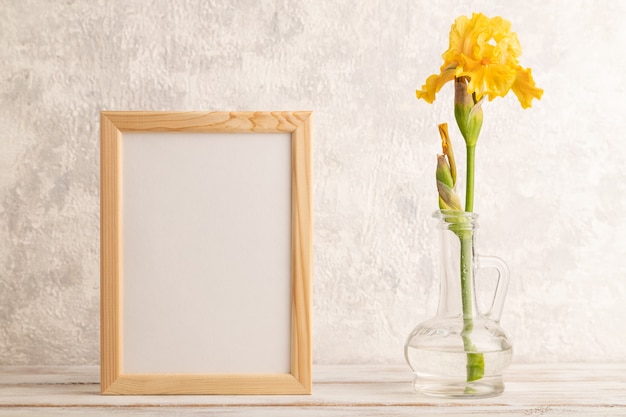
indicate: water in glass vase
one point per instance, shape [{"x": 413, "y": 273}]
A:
[{"x": 443, "y": 372}]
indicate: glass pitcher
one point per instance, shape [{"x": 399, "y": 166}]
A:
[{"x": 461, "y": 352}]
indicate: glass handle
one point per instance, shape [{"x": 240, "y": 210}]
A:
[{"x": 492, "y": 262}]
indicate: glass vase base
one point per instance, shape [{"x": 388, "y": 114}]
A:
[{"x": 454, "y": 388}]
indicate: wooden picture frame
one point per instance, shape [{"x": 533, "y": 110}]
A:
[{"x": 154, "y": 166}]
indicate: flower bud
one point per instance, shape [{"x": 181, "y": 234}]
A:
[
  {"x": 446, "y": 147},
  {"x": 468, "y": 112},
  {"x": 448, "y": 199}
]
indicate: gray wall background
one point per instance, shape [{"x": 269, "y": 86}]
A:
[{"x": 550, "y": 180}]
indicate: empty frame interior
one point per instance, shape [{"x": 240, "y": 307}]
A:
[{"x": 206, "y": 253}]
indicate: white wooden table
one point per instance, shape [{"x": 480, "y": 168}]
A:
[{"x": 531, "y": 390}]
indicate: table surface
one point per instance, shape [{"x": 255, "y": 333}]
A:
[{"x": 338, "y": 390}]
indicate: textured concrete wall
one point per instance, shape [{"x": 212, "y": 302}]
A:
[{"x": 550, "y": 180}]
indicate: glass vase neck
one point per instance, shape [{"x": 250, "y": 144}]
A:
[
  {"x": 456, "y": 245},
  {"x": 450, "y": 219}
]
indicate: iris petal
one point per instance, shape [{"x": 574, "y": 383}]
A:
[
  {"x": 487, "y": 52},
  {"x": 434, "y": 84},
  {"x": 524, "y": 87}
]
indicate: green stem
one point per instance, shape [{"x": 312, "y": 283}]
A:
[
  {"x": 469, "y": 187},
  {"x": 475, "y": 365},
  {"x": 475, "y": 361}
]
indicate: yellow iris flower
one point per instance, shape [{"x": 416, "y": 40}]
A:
[{"x": 486, "y": 52}]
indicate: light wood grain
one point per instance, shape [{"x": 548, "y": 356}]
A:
[
  {"x": 239, "y": 122},
  {"x": 110, "y": 251},
  {"x": 531, "y": 390},
  {"x": 113, "y": 126},
  {"x": 302, "y": 252},
  {"x": 207, "y": 384},
  {"x": 410, "y": 411}
]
